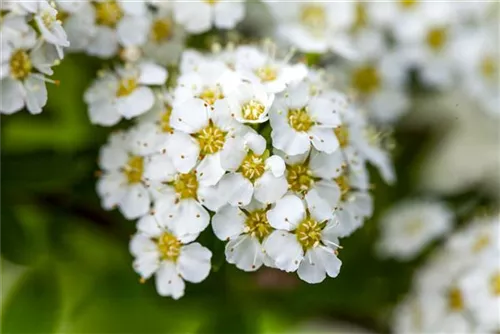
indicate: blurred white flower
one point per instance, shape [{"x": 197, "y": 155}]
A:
[
  {"x": 171, "y": 257},
  {"x": 123, "y": 93},
  {"x": 50, "y": 27},
  {"x": 409, "y": 226}
]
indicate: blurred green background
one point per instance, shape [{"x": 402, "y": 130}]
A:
[{"x": 65, "y": 261}]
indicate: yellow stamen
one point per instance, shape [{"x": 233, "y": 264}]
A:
[
  {"x": 253, "y": 166},
  {"x": 252, "y": 110},
  {"x": 266, "y": 73},
  {"x": 258, "y": 225},
  {"x": 455, "y": 299},
  {"x": 299, "y": 178},
  {"x": 169, "y": 247},
  {"x": 299, "y": 119},
  {"x": 210, "y": 95},
  {"x": 161, "y": 30},
  {"x": 126, "y": 87},
  {"x": 134, "y": 169},
  {"x": 436, "y": 38},
  {"x": 186, "y": 185},
  {"x": 342, "y": 134},
  {"x": 313, "y": 17},
  {"x": 211, "y": 139},
  {"x": 366, "y": 80},
  {"x": 108, "y": 13},
  {"x": 165, "y": 120},
  {"x": 344, "y": 185},
  {"x": 308, "y": 233},
  {"x": 495, "y": 284},
  {"x": 20, "y": 65}
]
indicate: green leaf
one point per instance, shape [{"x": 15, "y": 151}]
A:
[
  {"x": 34, "y": 305},
  {"x": 15, "y": 245}
]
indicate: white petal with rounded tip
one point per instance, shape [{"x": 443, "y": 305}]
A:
[
  {"x": 133, "y": 7},
  {"x": 168, "y": 281},
  {"x": 111, "y": 187},
  {"x": 227, "y": 14},
  {"x": 297, "y": 96},
  {"x": 323, "y": 111},
  {"x": 290, "y": 141},
  {"x": 104, "y": 42},
  {"x": 141, "y": 244},
  {"x": 189, "y": 217},
  {"x": 147, "y": 264},
  {"x": 195, "y": 24},
  {"x": 152, "y": 74},
  {"x": 330, "y": 234},
  {"x": 322, "y": 199},
  {"x": 329, "y": 260},
  {"x": 311, "y": 269},
  {"x": 276, "y": 165},
  {"x": 212, "y": 198},
  {"x": 327, "y": 166},
  {"x": 12, "y": 92},
  {"x": 284, "y": 249},
  {"x": 236, "y": 188},
  {"x": 135, "y": 202},
  {"x": 159, "y": 167},
  {"x": 36, "y": 94},
  {"x": 233, "y": 153},
  {"x": 189, "y": 116},
  {"x": 228, "y": 222},
  {"x": 149, "y": 225},
  {"x": 245, "y": 252},
  {"x": 183, "y": 150},
  {"x": 210, "y": 170},
  {"x": 112, "y": 157},
  {"x": 194, "y": 262},
  {"x": 323, "y": 139},
  {"x": 135, "y": 104},
  {"x": 255, "y": 142},
  {"x": 132, "y": 31},
  {"x": 268, "y": 188},
  {"x": 287, "y": 213}
]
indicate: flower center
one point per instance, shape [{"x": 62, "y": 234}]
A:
[
  {"x": 165, "y": 120},
  {"x": 361, "y": 19},
  {"x": 48, "y": 19},
  {"x": 481, "y": 243},
  {"x": 211, "y": 139},
  {"x": 436, "y": 38},
  {"x": 252, "y": 110},
  {"x": 253, "y": 166},
  {"x": 62, "y": 15},
  {"x": 186, "y": 185},
  {"x": 455, "y": 299},
  {"x": 108, "y": 13},
  {"x": 126, "y": 87},
  {"x": 342, "y": 134},
  {"x": 343, "y": 183},
  {"x": 406, "y": 4},
  {"x": 488, "y": 67},
  {"x": 161, "y": 30},
  {"x": 134, "y": 169},
  {"x": 20, "y": 65},
  {"x": 366, "y": 80},
  {"x": 169, "y": 247},
  {"x": 299, "y": 119},
  {"x": 495, "y": 284},
  {"x": 210, "y": 95},
  {"x": 211, "y": 2},
  {"x": 266, "y": 73},
  {"x": 309, "y": 233},
  {"x": 258, "y": 225},
  {"x": 313, "y": 17},
  {"x": 299, "y": 178}
]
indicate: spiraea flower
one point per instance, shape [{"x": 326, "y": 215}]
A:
[
  {"x": 123, "y": 93},
  {"x": 170, "y": 257},
  {"x": 410, "y": 226},
  {"x": 458, "y": 290}
]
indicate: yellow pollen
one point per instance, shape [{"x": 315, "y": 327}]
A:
[
  {"x": 186, "y": 185},
  {"x": 134, "y": 169},
  {"x": 309, "y": 233},
  {"x": 211, "y": 139},
  {"x": 211, "y": 95},
  {"x": 48, "y": 19},
  {"x": 258, "y": 225},
  {"x": 161, "y": 30},
  {"x": 344, "y": 185},
  {"x": 361, "y": 19},
  {"x": 436, "y": 38},
  {"x": 253, "y": 166},
  {"x": 342, "y": 134},
  {"x": 488, "y": 67},
  {"x": 299, "y": 119},
  {"x": 366, "y": 80},
  {"x": 62, "y": 15},
  {"x": 211, "y": 2},
  {"x": 455, "y": 299},
  {"x": 165, "y": 120},
  {"x": 408, "y": 3},
  {"x": 299, "y": 178},
  {"x": 313, "y": 17},
  {"x": 252, "y": 110},
  {"x": 20, "y": 65},
  {"x": 481, "y": 243},
  {"x": 495, "y": 284},
  {"x": 266, "y": 73},
  {"x": 169, "y": 247},
  {"x": 108, "y": 13},
  {"x": 126, "y": 87}
]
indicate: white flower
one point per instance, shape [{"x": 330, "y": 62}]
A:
[
  {"x": 50, "y": 27},
  {"x": 123, "y": 93},
  {"x": 302, "y": 242},
  {"x": 299, "y": 120},
  {"x": 245, "y": 231},
  {"x": 77, "y": 19},
  {"x": 199, "y": 16},
  {"x": 410, "y": 226},
  {"x": 315, "y": 27},
  {"x": 24, "y": 64},
  {"x": 262, "y": 67},
  {"x": 122, "y": 181},
  {"x": 250, "y": 103},
  {"x": 171, "y": 257}
]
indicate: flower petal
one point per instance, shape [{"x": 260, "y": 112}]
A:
[
  {"x": 135, "y": 202},
  {"x": 194, "y": 262},
  {"x": 245, "y": 252},
  {"x": 311, "y": 269},
  {"x": 168, "y": 281},
  {"x": 284, "y": 249},
  {"x": 228, "y": 222},
  {"x": 287, "y": 213}
]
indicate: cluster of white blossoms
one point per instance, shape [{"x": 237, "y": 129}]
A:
[
  {"x": 32, "y": 42},
  {"x": 411, "y": 225},
  {"x": 262, "y": 150},
  {"x": 458, "y": 291},
  {"x": 153, "y": 28},
  {"x": 447, "y": 44}
]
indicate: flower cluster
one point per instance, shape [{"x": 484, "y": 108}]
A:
[
  {"x": 459, "y": 290},
  {"x": 449, "y": 45},
  {"x": 262, "y": 150},
  {"x": 32, "y": 41},
  {"x": 155, "y": 29}
]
